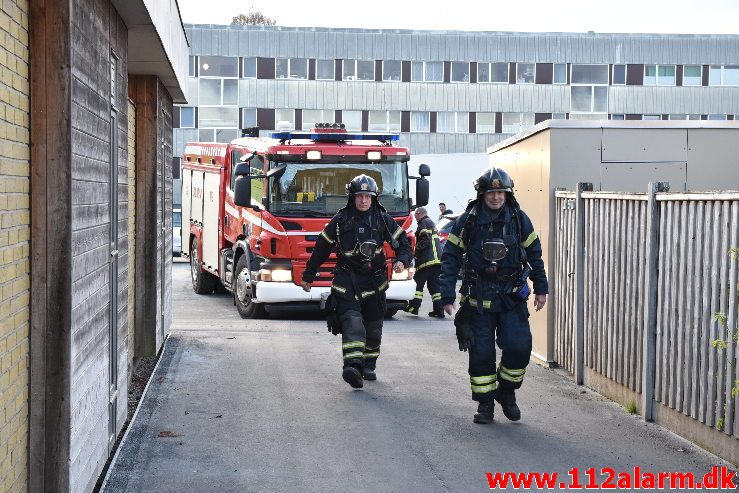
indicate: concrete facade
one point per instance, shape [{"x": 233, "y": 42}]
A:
[{"x": 15, "y": 221}]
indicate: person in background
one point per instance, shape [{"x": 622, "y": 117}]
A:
[
  {"x": 444, "y": 211},
  {"x": 428, "y": 264}
]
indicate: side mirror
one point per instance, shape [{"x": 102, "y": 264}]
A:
[
  {"x": 242, "y": 190},
  {"x": 424, "y": 170},
  {"x": 422, "y": 191},
  {"x": 241, "y": 169},
  {"x": 277, "y": 172}
]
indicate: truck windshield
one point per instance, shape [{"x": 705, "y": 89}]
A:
[{"x": 319, "y": 189}]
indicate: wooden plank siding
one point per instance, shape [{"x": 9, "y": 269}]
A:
[
  {"x": 695, "y": 279},
  {"x": 51, "y": 246},
  {"x": 153, "y": 212}
]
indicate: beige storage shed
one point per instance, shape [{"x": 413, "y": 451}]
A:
[{"x": 620, "y": 156}]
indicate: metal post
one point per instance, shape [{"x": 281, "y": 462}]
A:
[
  {"x": 650, "y": 285},
  {"x": 580, "y": 280}
]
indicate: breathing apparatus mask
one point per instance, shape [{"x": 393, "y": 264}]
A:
[
  {"x": 368, "y": 250},
  {"x": 493, "y": 251}
]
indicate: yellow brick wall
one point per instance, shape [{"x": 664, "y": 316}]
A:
[{"x": 14, "y": 247}]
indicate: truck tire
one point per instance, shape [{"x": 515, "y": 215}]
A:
[
  {"x": 202, "y": 282},
  {"x": 243, "y": 291}
]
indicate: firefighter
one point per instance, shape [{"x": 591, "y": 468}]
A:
[
  {"x": 428, "y": 264},
  {"x": 357, "y": 234},
  {"x": 496, "y": 244}
]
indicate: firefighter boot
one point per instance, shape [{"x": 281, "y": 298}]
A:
[
  {"x": 369, "y": 374},
  {"x": 484, "y": 414},
  {"x": 353, "y": 376},
  {"x": 507, "y": 400},
  {"x": 438, "y": 310}
]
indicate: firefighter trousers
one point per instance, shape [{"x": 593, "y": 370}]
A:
[
  {"x": 423, "y": 276},
  {"x": 511, "y": 330},
  {"x": 361, "y": 321}
]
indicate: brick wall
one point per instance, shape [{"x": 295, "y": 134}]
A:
[{"x": 14, "y": 243}]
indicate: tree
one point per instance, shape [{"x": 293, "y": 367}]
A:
[{"x": 253, "y": 18}]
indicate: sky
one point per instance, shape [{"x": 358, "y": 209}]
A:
[{"x": 612, "y": 16}]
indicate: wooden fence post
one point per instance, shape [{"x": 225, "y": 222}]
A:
[
  {"x": 580, "y": 280},
  {"x": 650, "y": 285}
]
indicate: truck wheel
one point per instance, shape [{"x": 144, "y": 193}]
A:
[
  {"x": 243, "y": 293},
  {"x": 202, "y": 282}
]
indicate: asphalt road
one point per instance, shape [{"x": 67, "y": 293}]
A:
[{"x": 260, "y": 406}]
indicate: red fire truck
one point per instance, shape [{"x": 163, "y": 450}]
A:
[{"x": 255, "y": 207}]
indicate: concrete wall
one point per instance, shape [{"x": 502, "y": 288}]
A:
[{"x": 14, "y": 243}]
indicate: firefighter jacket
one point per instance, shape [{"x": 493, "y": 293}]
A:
[
  {"x": 428, "y": 246},
  {"x": 344, "y": 234},
  {"x": 493, "y": 291}
]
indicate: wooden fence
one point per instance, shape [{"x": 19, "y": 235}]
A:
[{"x": 638, "y": 281}]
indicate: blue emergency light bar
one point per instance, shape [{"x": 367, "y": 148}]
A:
[{"x": 332, "y": 136}]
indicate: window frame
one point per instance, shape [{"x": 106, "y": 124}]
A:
[
  {"x": 478, "y": 125},
  {"x": 193, "y": 116},
  {"x": 428, "y": 122},
  {"x": 466, "y": 74},
  {"x": 244, "y": 61},
  {"x": 458, "y": 116},
  {"x": 657, "y": 76},
  {"x": 290, "y": 67},
  {"x": 554, "y": 72},
  {"x": 613, "y": 74},
  {"x": 518, "y": 74},
  {"x": 356, "y": 78},
  {"x": 425, "y": 77},
  {"x": 333, "y": 68},
  {"x": 400, "y": 73},
  {"x": 199, "y": 66},
  {"x": 700, "y": 76},
  {"x": 387, "y": 121}
]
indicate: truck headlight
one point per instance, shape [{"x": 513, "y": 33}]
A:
[{"x": 276, "y": 275}]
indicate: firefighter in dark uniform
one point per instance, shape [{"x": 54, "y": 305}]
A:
[
  {"x": 357, "y": 234},
  {"x": 428, "y": 264},
  {"x": 496, "y": 244}
]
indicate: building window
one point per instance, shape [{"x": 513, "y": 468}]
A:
[
  {"x": 218, "y": 66},
  {"x": 659, "y": 75},
  {"x": 218, "y": 117},
  {"x": 588, "y": 116},
  {"x": 496, "y": 72},
  {"x": 723, "y": 75},
  {"x": 207, "y": 135},
  {"x": 514, "y": 123},
  {"x": 391, "y": 70},
  {"x": 559, "y": 116},
  {"x": 525, "y": 73},
  {"x": 219, "y": 92},
  {"x": 311, "y": 117},
  {"x": 352, "y": 120},
  {"x": 291, "y": 68},
  {"x": 485, "y": 123},
  {"x": 248, "y": 117},
  {"x": 589, "y": 99},
  {"x": 384, "y": 121},
  {"x": 420, "y": 121},
  {"x": 359, "y": 70},
  {"x": 325, "y": 70},
  {"x": 249, "y": 67},
  {"x": 226, "y": 135},
  {"x": 187, "y": 117},
  {"x": 284, "y": 119},
  {"x": 651, "y": 118},
  {"x": 192, "y": 69},
  {"x": 717, "y": 117},
  {"x": 619, "y": 75},
  {"x": 559, "y": 75},
  {"x": 692, "y": 75},
  {"x": 452, "y": 122},
  {"x": 460, "y": 72},
  {"x": 589, "y": 74},
  {"x": 618, "y": 117},
  {"x": 427, "y": 72}
]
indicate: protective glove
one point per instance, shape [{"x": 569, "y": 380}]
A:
[{"x": 464, "y": 336}]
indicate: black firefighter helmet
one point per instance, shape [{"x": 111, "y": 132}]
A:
[
  {"x": 493, "y": 180},
  {"x": 362, "y": 184}
]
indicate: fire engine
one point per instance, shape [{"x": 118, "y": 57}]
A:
[{"x": 256, "y": 206}]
